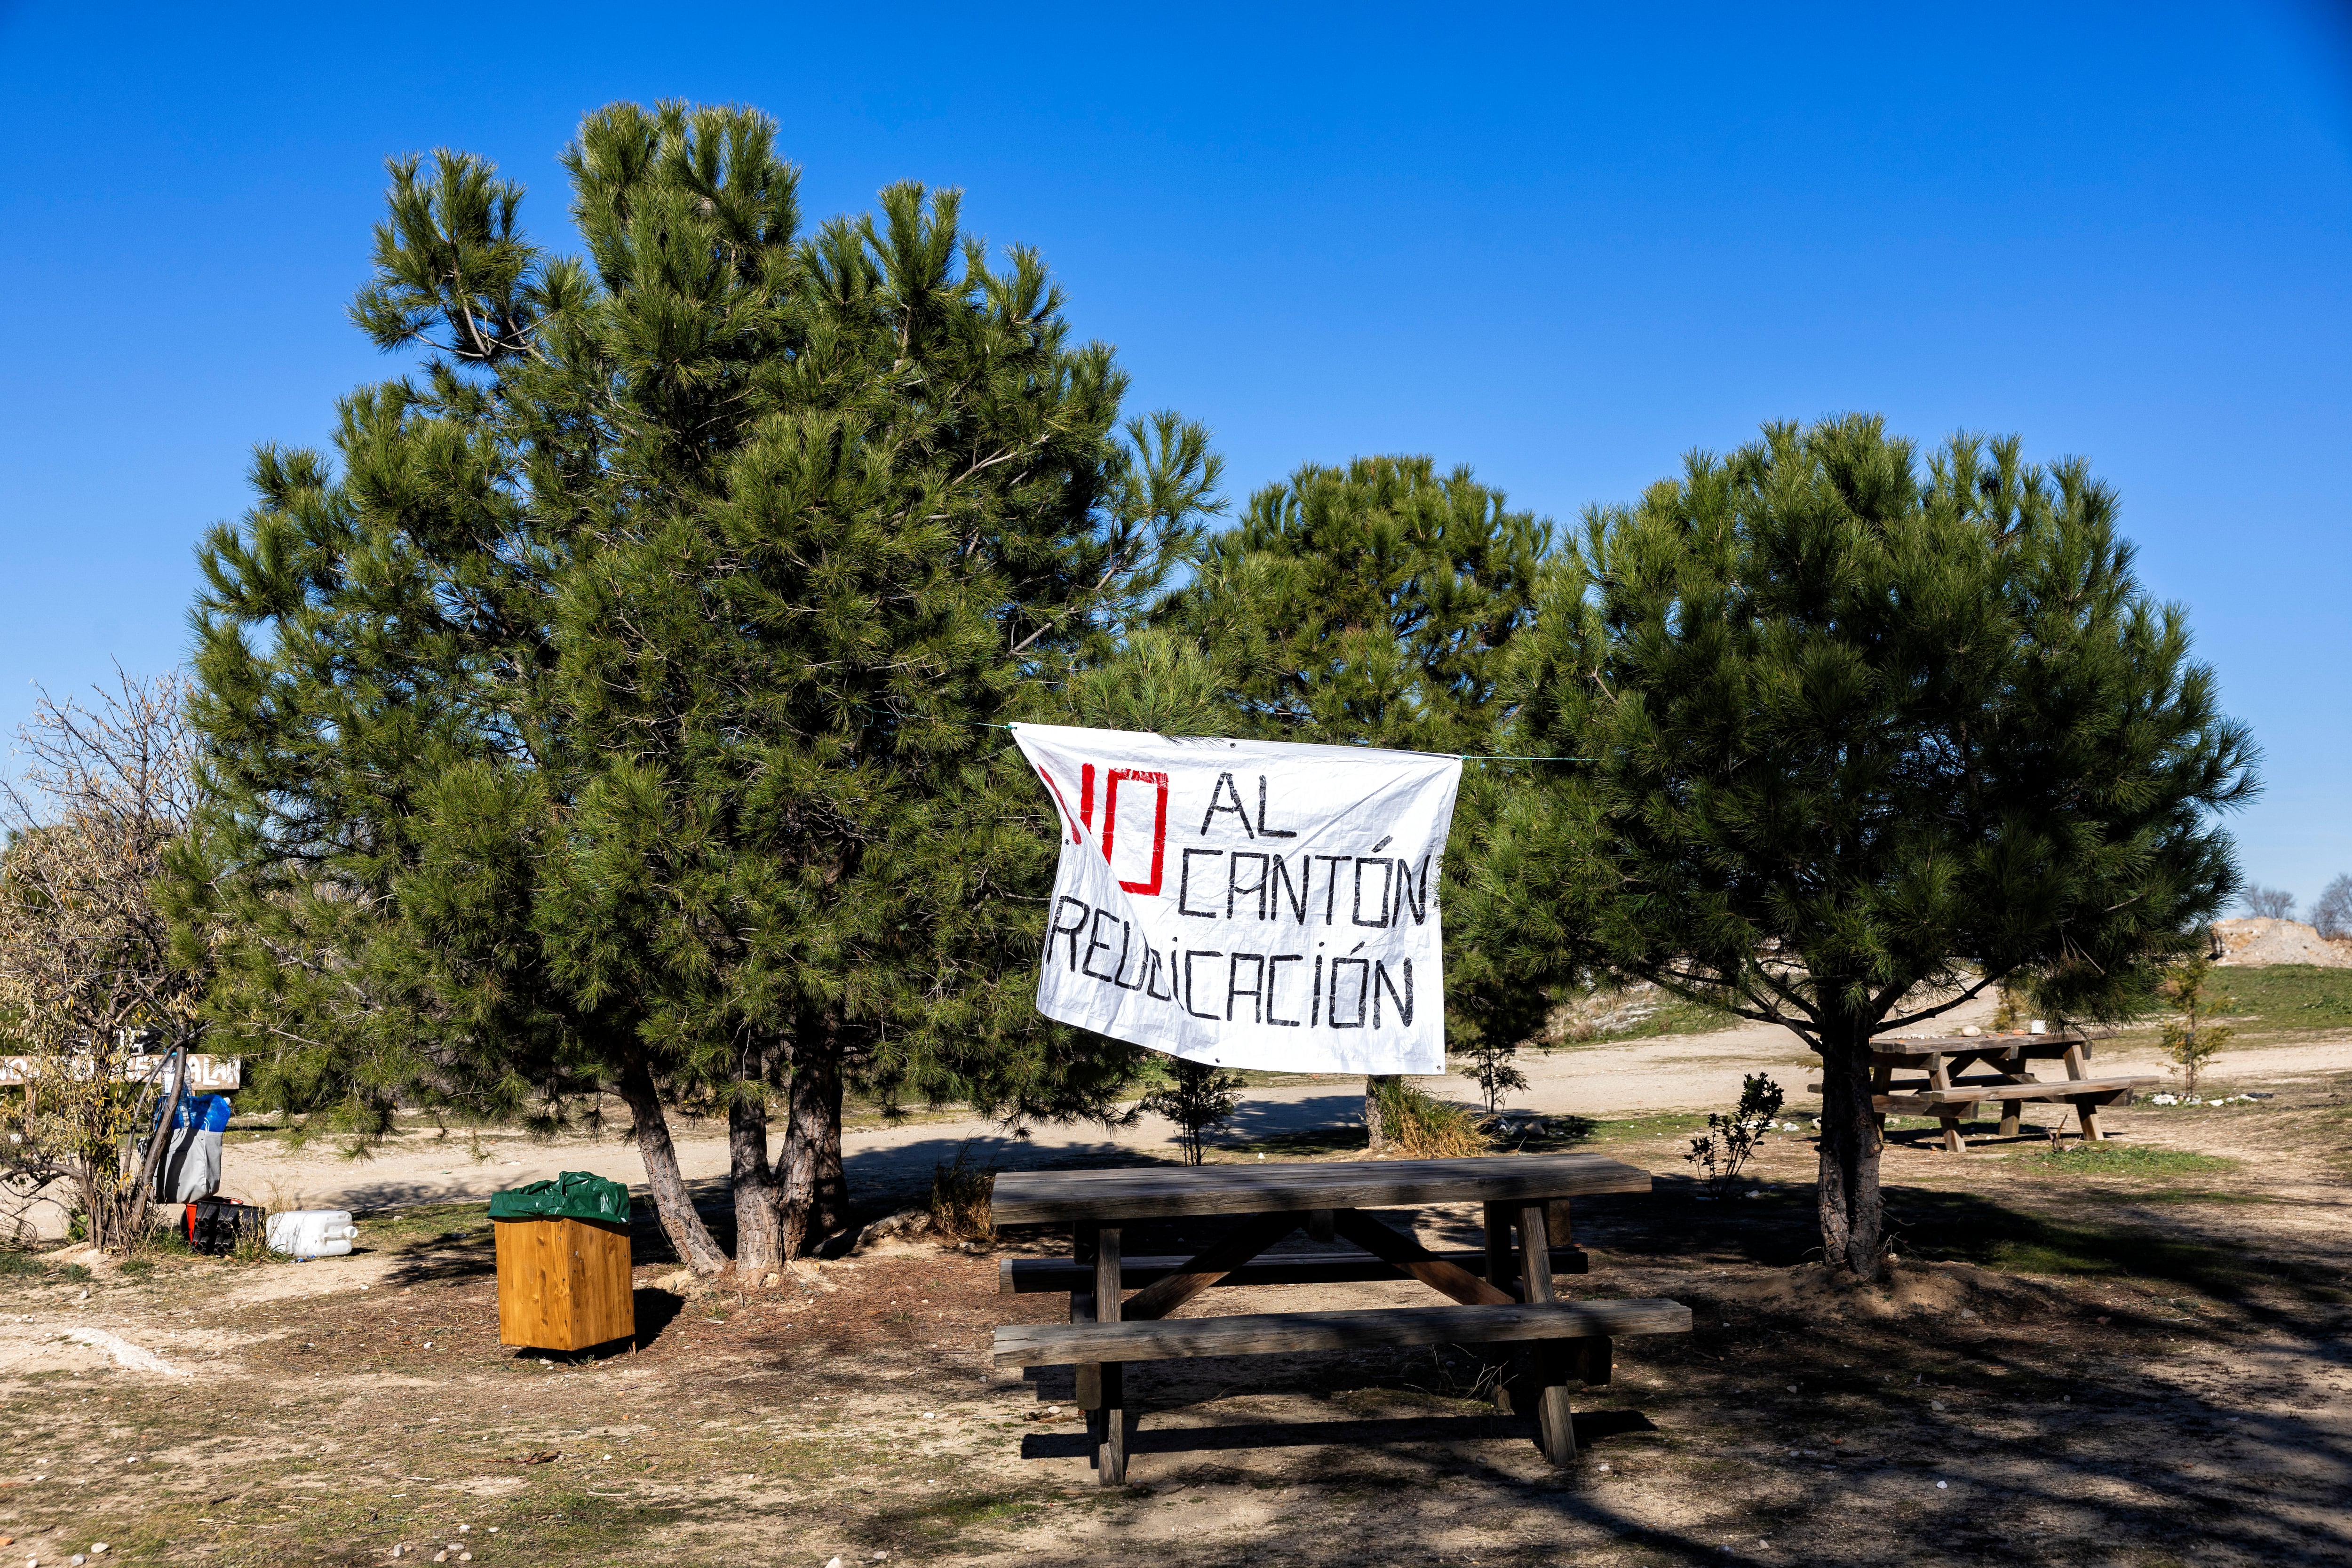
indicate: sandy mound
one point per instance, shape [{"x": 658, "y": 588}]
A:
[{"x": 2259, "y": 941}]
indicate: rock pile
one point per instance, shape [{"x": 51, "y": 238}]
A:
[{"x": 2248, "y": 943}]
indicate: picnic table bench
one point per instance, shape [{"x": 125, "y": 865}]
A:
[
  {"x": 2007, "y": 1080},
  {"x": 1504, "y": 1293}
]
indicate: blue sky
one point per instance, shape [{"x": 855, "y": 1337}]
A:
[{"x": 1564, "y": 244}]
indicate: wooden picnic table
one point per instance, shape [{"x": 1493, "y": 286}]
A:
[
  {"x": 2007, "y": 1080},
  {"x": 1506, "y": 1295}
]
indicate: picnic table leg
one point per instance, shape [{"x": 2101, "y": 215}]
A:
[
  {"x": 1547, "y": 1364},
  {"x": 2012, "y": 1110},
  {"x": 1089, "y": 1373},
  {"x": 1082, "y": 1310},
  {"x": 1500, "y": 1269},
  {"x": 1559, "y": 1231},
  {"x": 2085, "y": 1110},
  {"x": 1500, "y": 1272},
  {"x": 1110, "y": 1458},
  {"x": 1882, "y": 1079},
  {"x": 1940, "y": 1077}
]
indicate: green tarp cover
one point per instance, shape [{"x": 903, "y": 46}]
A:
[{"x": 574, "y": 1195}]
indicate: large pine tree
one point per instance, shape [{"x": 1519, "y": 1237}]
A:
[
  {"x": 613, "y": 709},
  {"x": 1864, "y": 740},
  {"x": 1376, "y": 603}
]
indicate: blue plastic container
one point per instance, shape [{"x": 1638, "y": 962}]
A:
[{"x": 205, "y": 1112}]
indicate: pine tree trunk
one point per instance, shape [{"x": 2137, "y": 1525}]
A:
[
  {"x": 759, "y": 1220},
  {"x": 1852, "y": 1215},
  {"x": 1376, "y": 1132},
  {"x": 673, "y": 1204},
  {"x": 830, "y": 1210},
  {"x": 815, "y": 1188}
]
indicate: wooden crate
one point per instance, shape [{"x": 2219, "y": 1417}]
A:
[{"x": 563, "y": 1284}]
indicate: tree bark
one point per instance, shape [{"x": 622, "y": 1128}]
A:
[
  {"x": 829, "y": 1211},
  {"x": 759, "y": 1239},
  {"x": 672, "y": 1201},
  {"x": 816, "y": 1195},
  {"x": 1852, "y": 1215},
  {"x": 1376, "y": 1131},
  {"x": 135, "y": 1210}
]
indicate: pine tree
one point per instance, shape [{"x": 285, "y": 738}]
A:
[
  {"x": 1374, "y": 605},
  {"x": 2191, "y": 1039},
  {"x": 615, "y": 708},
  {"x": 1859, "y": 733},
  {"x": 1197, "y": 1097},
  {"x": 1494, "y": 1070}
]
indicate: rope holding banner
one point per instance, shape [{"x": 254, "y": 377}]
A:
[
  {"x": 1465, "y": 756},
  {"x": 1468, "y": 758}
]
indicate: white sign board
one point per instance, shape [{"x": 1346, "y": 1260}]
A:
[
  {"x": 1248, "y": 903},
  {"x": 206, "y": 1075}
]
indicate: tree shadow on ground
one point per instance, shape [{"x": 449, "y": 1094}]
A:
[
  {"x": 1776, "y": 1225},
  {"x": 1833, "y": 1428},
  {"x": 1592, "y": 1428}
]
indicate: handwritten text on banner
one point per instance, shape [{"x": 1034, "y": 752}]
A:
[{"x": 1250, "y": 904}]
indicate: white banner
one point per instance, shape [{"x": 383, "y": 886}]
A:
[{"x": 1249, "y": 903}]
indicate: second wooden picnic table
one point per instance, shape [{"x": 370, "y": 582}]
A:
[
  {"x": 2006, "y": 1079},
  {"x": 1505, "y": 1294}
]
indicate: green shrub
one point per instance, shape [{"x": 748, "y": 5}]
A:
[{"x": 1731, "y": 1139}]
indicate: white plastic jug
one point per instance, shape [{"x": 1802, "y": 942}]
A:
[{"x": 312, "y": 1232}]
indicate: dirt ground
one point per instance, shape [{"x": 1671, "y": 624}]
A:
[{"x": 2131, "y": 1356}]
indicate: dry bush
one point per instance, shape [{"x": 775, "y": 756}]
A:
[
  {"x": 1416, "y": 1126},
  {"x": 960, "y": 1197}
]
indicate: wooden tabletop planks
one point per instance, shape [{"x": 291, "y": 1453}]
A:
[
  {"x": 1106, "y": 1196},
  {"x": 2053, "y": 1044},
  {"x": 1967, "y": 1091}
]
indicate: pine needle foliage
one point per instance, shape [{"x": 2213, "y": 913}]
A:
[
  {"x": 1375, "y": 603},
  {"x": 1858, "y": 728},
  {"x": 611, "y": 707}
]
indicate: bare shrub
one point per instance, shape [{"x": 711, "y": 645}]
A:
[
  {"x": 87, "y": 974},
  {"x": 2268, "y": 903},
  {"x": 2331, "y": 915}
]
